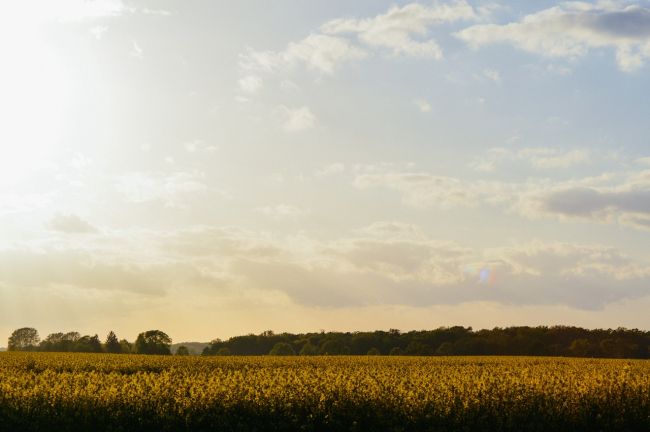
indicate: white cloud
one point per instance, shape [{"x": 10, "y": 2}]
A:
[
  {"x": 136, "y": 51},
  {"x": 281, "y": 211},
  {"x": 139, "y": 187},
  {"x": 250, "y": 83},
  {"x": 322, "y": 52},
  {"x": 98, "y": 31},
  {"x": 422, "y": 105},
  {"x": 572, "y": 29},
  {"x": 482, "y": 165},
  {"x": 331, "y": 169},
  {"x": 537, "y": 157},
  {"x": 553, "y": 158},
  {"x": 558, "y": 69},
  {"x": 400, "y": 30},
  {"x": 161, "y": 12},
  {"x": 318, "y": 52},
  {"x": 393, "y": 230},
  {"x": 70, "y": 224},
  {"x": 420, "y": 189},
  {"x": 296, "y": 119},
  {"x": 492, "y": 74},
  {"x": 199, "y": 146}
]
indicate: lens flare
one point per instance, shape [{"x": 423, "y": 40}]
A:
[{"x": 483, "y": 275}]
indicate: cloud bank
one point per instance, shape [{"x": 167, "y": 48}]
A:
[{"x": 573, "y": 29}]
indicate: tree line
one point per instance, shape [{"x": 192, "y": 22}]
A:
[
  {"x": 148, "y": 342},
  {"x": 528, "y": 341}
]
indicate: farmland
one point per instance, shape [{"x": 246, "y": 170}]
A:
[{"x": 41, "y": 391}]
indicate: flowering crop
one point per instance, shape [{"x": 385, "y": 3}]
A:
[{"x": 48, "y": 391}]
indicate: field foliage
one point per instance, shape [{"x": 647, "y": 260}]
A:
[{"x": 50, "y": 391}]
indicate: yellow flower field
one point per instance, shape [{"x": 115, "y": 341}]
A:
[{"x": 52, "y": 391}]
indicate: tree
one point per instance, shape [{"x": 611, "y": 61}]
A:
[
  {"x": 182, "y": 351},
  {"x": 282, "y": 349},
  {"x": 334, "y": 347},
  {"x": 417, "y": 348},
  {"x": 95, "y": 344},
  {"x": 88, "y": 344},
  {"x": 69, "y": 341},
  {"x": 445, "y": 349},
  {"x": 126, "y": 346},
  {"x": 112, "y": 345},
  {"x": 23, "y": 339},
  {"x": 52, "y": 342},
  {"x": 581, "y": 348},
  {"x": 153, "y": 342},
  {"x": 223, "y": 351},
  {"x": 395, "y": 351},
  {"x": 373, "y": 352},
  {"x": 308, "y": 349}
]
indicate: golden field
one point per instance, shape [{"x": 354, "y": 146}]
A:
[{"x": 60, "y": 391}]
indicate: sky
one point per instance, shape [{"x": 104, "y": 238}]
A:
[{"x": 214, "y": 168}]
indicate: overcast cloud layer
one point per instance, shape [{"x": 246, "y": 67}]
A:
[{"x": 215, "y": 169}]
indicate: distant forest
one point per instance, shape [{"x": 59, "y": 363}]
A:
[
  {"x": 530, "y": 341},
  {"x": 444, "y": 341}
]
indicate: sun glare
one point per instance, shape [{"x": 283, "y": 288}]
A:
[{"x": 33, "y": 87}]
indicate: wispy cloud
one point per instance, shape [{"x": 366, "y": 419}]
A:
[
  {"x": 331, "y": 169},
  {"x": 281, "y": 211},
  {"x": 136, "y": 50},
  {"x": 422, "y": 105},
  {"x": 140, "y": 187},
  {"x": 541, "y": 158},
  {"x": 296, "y": 119},
  {"x": 490, "y": 74},
  {"x": 98, "y": 31},
  {"x": 317, "y": 52},
  {"x": 70, "y": 224},
  {"x": 420, "y": 189},
  {"x": 403, "y": 30},
  {"x": 199, "y": 146},
  {"x": 399, "y": 31},
  {"x": 250, "y": 83}
]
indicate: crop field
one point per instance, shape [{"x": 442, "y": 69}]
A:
[{"x": 48, "y": 391}]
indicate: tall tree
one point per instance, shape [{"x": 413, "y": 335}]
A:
[
  {"x": 112, "y": 344},
  {"x": 23, "y": 339}
]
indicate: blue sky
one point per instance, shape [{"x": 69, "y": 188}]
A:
[{"x": 332, "y": 165}]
